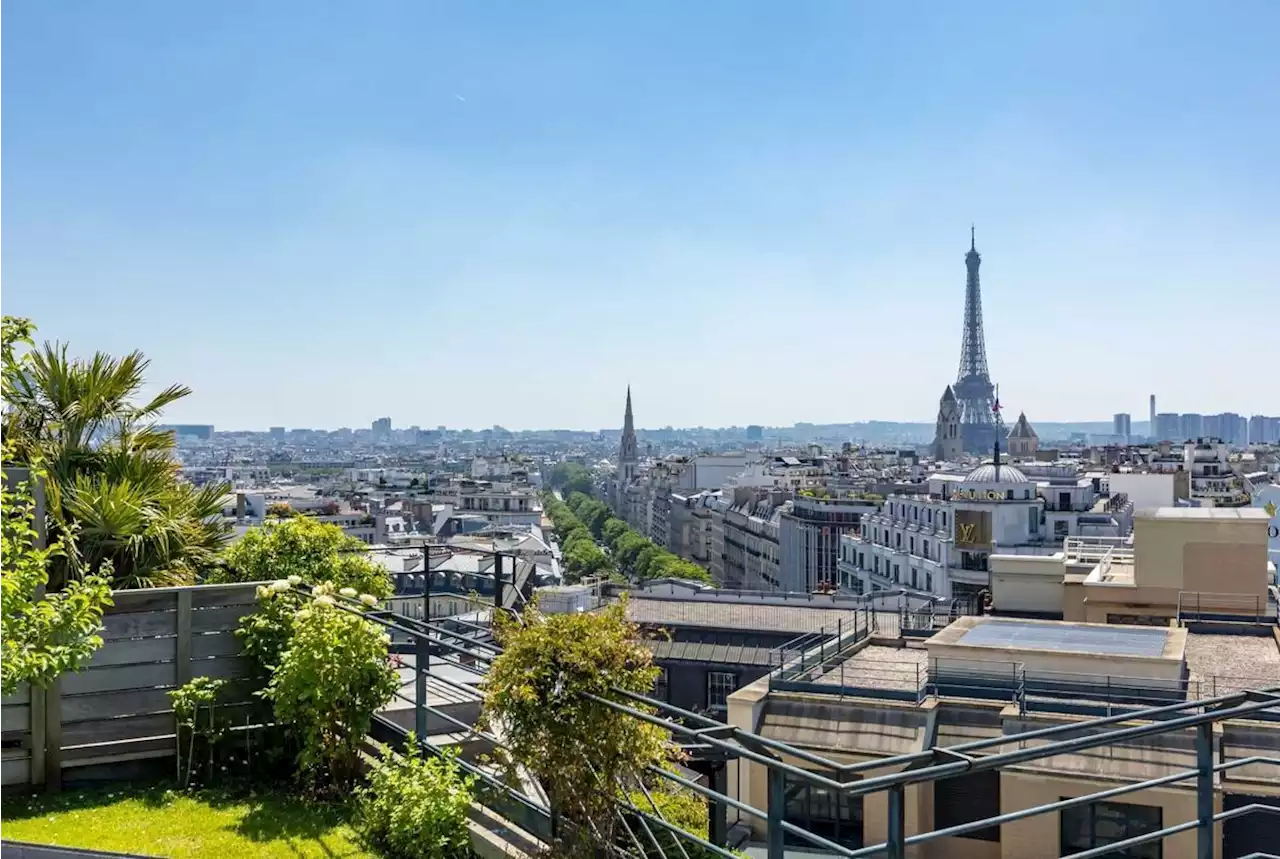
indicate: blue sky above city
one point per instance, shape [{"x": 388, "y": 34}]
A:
[{"x": 504, "y": 212}]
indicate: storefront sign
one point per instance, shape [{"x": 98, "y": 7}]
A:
[{"x": 979, "y": 495}]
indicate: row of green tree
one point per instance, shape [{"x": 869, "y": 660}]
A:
[
  {"x": 582, "y": 556},
  {"x": 570, "y": 477},
  {"x": 630, "y": 552}
]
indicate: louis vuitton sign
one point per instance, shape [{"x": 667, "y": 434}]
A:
[
  {"x": 973, "y": 529},
  {"x": 979, "y": 495}
]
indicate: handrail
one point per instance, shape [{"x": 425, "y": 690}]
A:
[{"x": 735, "y": 743}]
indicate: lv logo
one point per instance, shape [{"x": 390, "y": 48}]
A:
[{"x": 966, "y": 533}]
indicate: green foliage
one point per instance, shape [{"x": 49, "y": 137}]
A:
[
  {"x": 679, "y": 807},
  {"x": 44, "y": 633},
  {"x": 114, "y": 487},
  {"x": 581, "y": 750},
  {"x": 645, "y": 560},
  {"x": 188, "y": 701},
  {"x": 584, "y": 558},
  {"x": 332, "y": 677},
  {"x": 415, "y": 807},
  {"x": 313, "y": 551},
  {"x": 613, "y": 529},
  {"x": 628, "y": 548},
  {"x": 280, "y": 510},
  {"x": 583, "y": 521},
  {"x": 570, "y": 477}
]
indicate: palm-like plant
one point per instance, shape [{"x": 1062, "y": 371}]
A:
[{"x": 114, "y": 486}]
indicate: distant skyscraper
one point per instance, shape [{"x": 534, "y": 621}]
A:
[
  {"x": 1228, "y": 426},
  {"x": 1168, "y": 427},
  {"x": 1151, "y": 426},
  {"x": 276, "y": 433},
  {"x": 755, "y": 432},
  {"x": 382, "y": 428},
  {"x": 1192, "y": 426},
  {"x": 973, "y": 390},
  {"x": 1121, "y": 425}
]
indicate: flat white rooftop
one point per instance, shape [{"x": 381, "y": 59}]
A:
[
  {"x": 1083, "y": 649},
  {"x": 1233, "y": 514}
]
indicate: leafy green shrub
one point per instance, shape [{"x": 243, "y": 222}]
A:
[
  {"x": 579, "y": 749},
  {"x": 44, "y": 634},
  {"x": 313, "y": 551},
  {"x": 415, "y": 807},
  {"x": 332, "y": 677}
]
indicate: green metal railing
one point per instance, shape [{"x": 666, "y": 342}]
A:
[{"x": 705, "y": 738}]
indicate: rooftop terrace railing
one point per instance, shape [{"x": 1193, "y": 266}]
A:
[
  {"x": 1197, "y": 607},
  {"x": 464, "y": 644}
]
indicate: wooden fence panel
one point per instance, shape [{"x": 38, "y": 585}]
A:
[
  {"x": 214, "y": 644},
  {"x": 15, "y": 727},
  {"x": 117, "y": 711}
]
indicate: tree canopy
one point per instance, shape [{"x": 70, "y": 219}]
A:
[
  {"x": 585, "y": 753},
  {"x": 301, "y": 546},
  {"x": 583, "y": 517},
  {"x": 114, "y": 489},
  {"x": 571, "y": 477}
]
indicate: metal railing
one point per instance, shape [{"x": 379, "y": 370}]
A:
[
  {"x": 709, "y": 741},
  {"x": 1096, "y": 549},
  {"x": 1207, "y": 607}
]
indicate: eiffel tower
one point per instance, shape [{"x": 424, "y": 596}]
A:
[{"x": 973, "y": 388}]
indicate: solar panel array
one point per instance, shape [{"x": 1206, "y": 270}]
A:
[{"x": 1068, "y": 636}]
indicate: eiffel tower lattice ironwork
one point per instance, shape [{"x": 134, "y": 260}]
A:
[{"x": 973, "y": 388}]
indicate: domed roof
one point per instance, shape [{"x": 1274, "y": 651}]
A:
[{"x": 987, "y": 474}]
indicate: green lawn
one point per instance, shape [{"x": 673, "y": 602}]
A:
[{"x": 157, "y": 822}]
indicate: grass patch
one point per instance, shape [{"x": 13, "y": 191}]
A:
[{"x": 161, "y": 822}]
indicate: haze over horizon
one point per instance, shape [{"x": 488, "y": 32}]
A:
[{"x": 471, "y": 215}]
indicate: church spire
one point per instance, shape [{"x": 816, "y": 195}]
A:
[{"x": 629, "y": 451}]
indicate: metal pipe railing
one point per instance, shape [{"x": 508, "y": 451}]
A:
[{"x": 915, "y": 767}]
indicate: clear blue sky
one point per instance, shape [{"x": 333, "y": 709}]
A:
[{"x": 503, "y": 212}]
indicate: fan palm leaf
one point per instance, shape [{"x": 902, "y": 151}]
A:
[{"x": 114, "y": 487}]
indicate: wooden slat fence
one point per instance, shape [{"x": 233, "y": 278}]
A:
[{"x": 117, "y": 709}]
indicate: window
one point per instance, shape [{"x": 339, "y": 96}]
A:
[
  {"x": 1061, "y": 528},
  {"x": 899, "y": 540},
  {"x": 720, "y": 685},
  {"x": 895, "y": 572},
  {"x": 816, "y": 809},
  {"x": 877, "y": 561},
  {"x": 912, "y": 544},
  {"x": 1033, "y": 520},
  {"x": 1008, "y": 495},
  {"x": 913, "y": 579},
  {"x": 928, "y": 582},
  {"x": 967, "y": 798},
  {"x": 926, "y": 549},
  {"x": 1101, "y": 823},
  {"x": 944, "y": 519},
  {"x": 661, "y": 687},
  {"x": 929, "y": 515}
]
